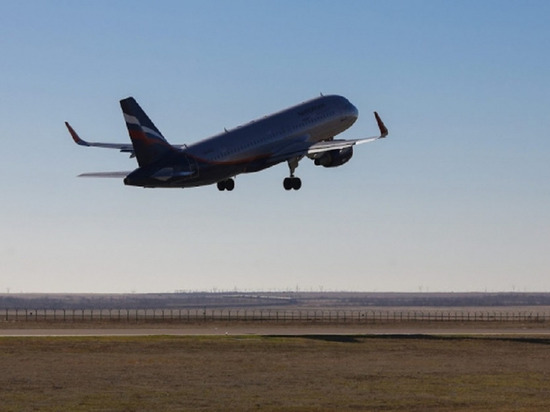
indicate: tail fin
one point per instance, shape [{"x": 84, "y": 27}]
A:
[{"x": 149, "y": 143}]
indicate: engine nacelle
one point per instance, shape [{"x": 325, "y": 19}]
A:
[{"x": 334, "y": 158}]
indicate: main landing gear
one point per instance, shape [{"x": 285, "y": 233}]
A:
[
  {"x": 292, "y": 182},
  {"x": 228, "y": 185}
]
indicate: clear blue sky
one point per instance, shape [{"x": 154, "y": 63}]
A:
[{"x": 456, "y": 199}]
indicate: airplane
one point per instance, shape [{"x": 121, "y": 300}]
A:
[{"x": 305, "y": 130}]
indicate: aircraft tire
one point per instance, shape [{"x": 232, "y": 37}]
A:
[
  {"x": 221, "y": 185},
  {"x": 287, "y": 183},
  {"x": 292, "y": 183},
  {"x": 229, "y": 185}
]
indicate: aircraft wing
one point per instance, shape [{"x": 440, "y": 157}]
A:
[
  {"x": 328, "y": 145},
  {"x": 123, "y": 147},
  {"x": 304, "y": 148}
]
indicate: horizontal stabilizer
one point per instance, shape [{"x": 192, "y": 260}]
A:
[{"x": 106, "y": 174}]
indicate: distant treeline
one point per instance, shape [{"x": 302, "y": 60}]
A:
[{"x": 269, "y": 300}]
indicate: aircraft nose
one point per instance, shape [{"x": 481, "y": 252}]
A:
[
  {"x": 351, "y": 109},
  {"x": 354, "y": 111}
]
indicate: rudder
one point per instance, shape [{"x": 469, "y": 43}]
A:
[{"x": 149, "y": 143}]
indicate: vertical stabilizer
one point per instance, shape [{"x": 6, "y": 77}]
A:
[{"x": 149, "y": 143}]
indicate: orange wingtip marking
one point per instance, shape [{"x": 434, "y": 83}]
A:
[
  {"x": 74, "y": 135},
  {"x": 381, "y": 125}
]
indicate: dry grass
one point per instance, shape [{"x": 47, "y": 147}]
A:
[
  {"x": 274, "y": 373},
  {"x": 266, "y": 325}
]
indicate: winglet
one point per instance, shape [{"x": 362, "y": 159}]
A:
[
  {"x": 381, "y": 126},
  {"x": 75, "y": 136}
]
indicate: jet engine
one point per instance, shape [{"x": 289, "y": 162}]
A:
[{"x": 334, "y": 158}]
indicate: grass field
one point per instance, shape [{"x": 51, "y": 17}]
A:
[{"x": 168, "y": 373}]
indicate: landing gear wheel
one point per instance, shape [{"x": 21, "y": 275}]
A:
[
  {"x": 287, "y": 183},
  {"x": 228, "y": 185},
  {"x": 292, "y": 183}
]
